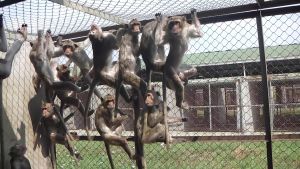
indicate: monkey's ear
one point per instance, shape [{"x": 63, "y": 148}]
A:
[
  {"x": 31, "y": 43},
  {"x": 76, "y": 46}
]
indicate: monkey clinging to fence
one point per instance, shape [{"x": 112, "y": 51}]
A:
[
  {"x": 57, "y": 131},
  {"x": 109, "y": 124},
  {"x": 152, "y": 47},
  {"x": 178, "y": 32},
  {"x": 128, "y": 53},
  {"x": 63, "y": 74},
  {"x": 78, "y": 55},
  {"x": 6, "y": 63},
  {"x": 39, "y": 59},
  {"x": 18, "y": 159},
  {"x": 151, "y": 127},
  {"x": 103, "y": 44}
]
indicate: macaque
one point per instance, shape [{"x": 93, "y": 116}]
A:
[
  {"x": 128, "y": 39},
  {"x": 103, "y": 43},
  {"x": 108, "y": 122},
  {"x": 178, "y": 32},
  {"x": 153, "y": 52},
  {"x": 152, "y": 46},
  {"x": 6, "y": 63},
  {"x": 63, "y": 74},
  {"x": 39, "y": 59},
  {"x": 18, "y": 159},
  {"x": 56, "y": 130},
  {"x": 80, "y": 58},
  {"x": 151, "y": 125}
]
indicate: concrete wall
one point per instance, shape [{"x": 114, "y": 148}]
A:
[{"x": 22, "y": 111}]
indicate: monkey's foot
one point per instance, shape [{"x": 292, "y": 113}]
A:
[
  {"x": 90, "y": 112},
  {"x": 77, "y": 155},
  {"x": 183, "y": 105}
]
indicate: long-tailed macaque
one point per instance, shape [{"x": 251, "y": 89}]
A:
[
  {"x": 39, "y": 59},
  {"x": 103, "y": 43},
  {"x": 56, "y": 131},
  {"x": 18, "y": 159},
  {"x": 80, "y": 58},
  {"x": 6, "y": 63},
  {"x": 63, "y": 74},
  {"x": 152, "y": 46},
  {"x": 178, "y": 32},
  {"x": 109, "y": 124},
  {"x": 153, "y": 52},
  {"x": 151, "y": 125},
  {"x": 128, "y": 39}
]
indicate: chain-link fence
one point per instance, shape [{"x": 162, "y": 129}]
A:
[{"x": 226, "y": 125}]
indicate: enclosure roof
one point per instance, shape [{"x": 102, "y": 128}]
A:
[{"x": 68, "y": 16}]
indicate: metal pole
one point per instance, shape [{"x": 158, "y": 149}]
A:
[
  {"x": 1, "y": 128},
  {"x": 265, "y": 90},
  {"x": 209, "y": 104}
]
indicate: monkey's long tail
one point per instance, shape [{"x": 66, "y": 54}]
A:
[
  {"x": 87, "y": 105},
  {"x": 53, "y": 157},
  {"x": 165, "y": 111},
  {"x": 108, "y": 152}
]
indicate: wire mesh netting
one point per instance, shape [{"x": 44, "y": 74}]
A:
[{"x": 225, "y": 125}]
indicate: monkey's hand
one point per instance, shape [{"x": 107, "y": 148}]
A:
[
  {"x": 193, "y": 12},
  {"x": 59, "y": 40},
  {"x": 158, "y": 17},
  {"x": 23, "y": 32},
  {"x": 48, "y": 32}
]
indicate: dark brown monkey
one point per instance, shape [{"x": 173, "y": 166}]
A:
[
  {"x": 18, "y": 159},
  {"x": 6, "y": 63},
  {"x": 109, "y": 124},
  {"x": 56, "y": 131},
  {"x": 63, "y": 74},
  {"x": 80, "y": 58},
  {"x": 151, "y": 123},
  {"x": 178, "y": 32},
  {"x": 39, "y": 59},
  {"x": 128, "y": 40}
]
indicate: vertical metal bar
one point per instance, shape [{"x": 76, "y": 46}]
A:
[
  {"x": 209, "y": 104},
  {"x": 1, "y": 128},
  {"x": 265, "y": 90}
]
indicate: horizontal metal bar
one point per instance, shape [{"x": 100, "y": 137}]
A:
[{"x": 9, "y": 2}]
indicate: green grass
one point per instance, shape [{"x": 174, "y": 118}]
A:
[{"x": 190, "y": 155}]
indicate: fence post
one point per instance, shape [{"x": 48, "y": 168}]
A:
[
  {"x": 1, "y": 129},
  {"x": 265, "y": 86}
]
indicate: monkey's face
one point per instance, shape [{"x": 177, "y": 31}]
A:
[
  {"x": 149, "y": 101},
  {"x": 175, "y": 24},
  {"x": 95, "y": 32},
  {"x": 62, "y": 71},
  {"x": 47, "y": 110},
  {"x": 18, "y": 150},
  {"x": 110, "y": 104},
  {"x": 68, "y": 51},
  {"x": 135, "y": 26}
]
